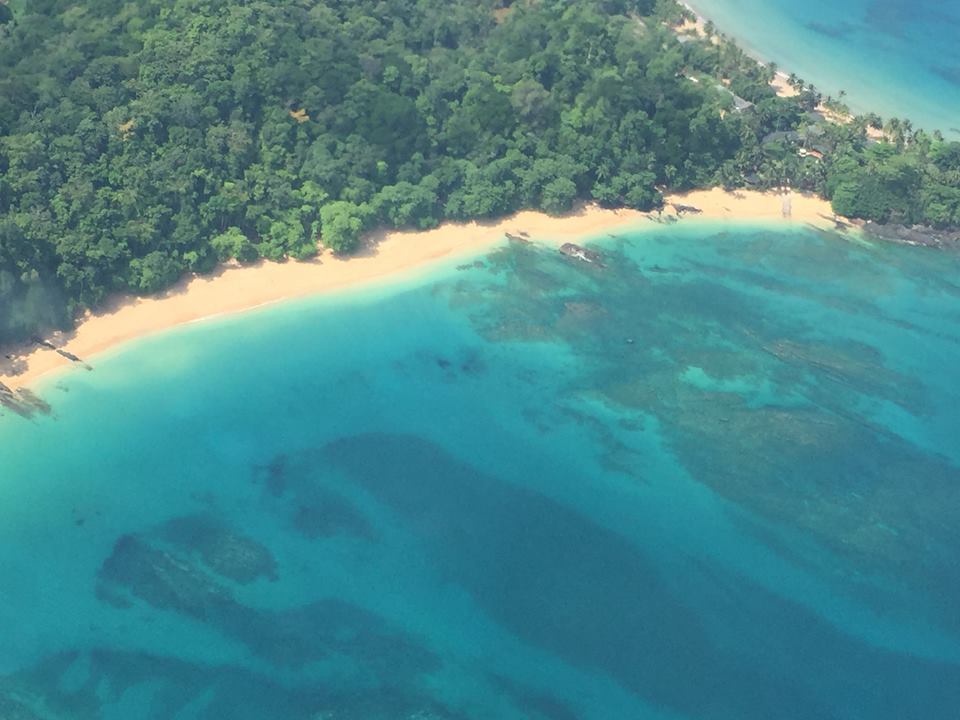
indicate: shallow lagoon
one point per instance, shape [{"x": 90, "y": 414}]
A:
[{"x": 717, "y": 479}]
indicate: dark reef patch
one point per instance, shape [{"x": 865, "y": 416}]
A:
[
  {"x": 199, "y": 690},
  {"x": 780, "y": 424},
  {"x": 950, "y": 73},
  {"x": 837, "y": 31},
  {"x": 535, "y": 704},
  {"x": 325, "y": 514},
  {"x": 14, "y": 709},
  {"x": 225, "y": 552},
  {"x": 139, "y": 571},
  {"x": 577, "y": 590},
  {"x": 312, "y": 509},
  {"x": 23, "y": 402}
]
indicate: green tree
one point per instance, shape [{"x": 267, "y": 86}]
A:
[
  {"x": 558, "y": 195},
  {"x": 341, "y": 224},
  {"x": 139, "y": 140},
  {"x": 233, "y": 243},
  {"x": 154, "y": 271}
]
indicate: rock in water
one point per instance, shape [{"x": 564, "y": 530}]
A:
[{"x": 581, "y": 253}]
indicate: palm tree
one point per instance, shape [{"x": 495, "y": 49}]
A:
[
  {"x": 893, "y": 130},
  {"x": 808, "y": 97},
  {"x": 907, "y": 128}
]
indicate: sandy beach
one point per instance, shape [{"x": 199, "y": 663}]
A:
[
  {"x": 385, "y": 255},
  {"x": 781, "y": 83},
  {"x": 698, "y": 27},
  {"x": 786, "y": 90},
  {"x": 781, "y": 80}
]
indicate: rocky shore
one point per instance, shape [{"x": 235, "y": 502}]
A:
[{"x": 918, "y": 235}]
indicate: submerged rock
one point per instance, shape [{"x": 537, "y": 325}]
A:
[
  {"x": 69, "y": 356},
  {"x": 13, "y": 709},
  {"x": 33, "y": 401},
  {"x": 227, "y": 553},
  {"x": 475, "y": 265},
  {"x": 578, "y": 252},
  {"x": 36, "y": 340},
  {"x": 22, "y": 401},
  {"x": 141, "y": 572}
]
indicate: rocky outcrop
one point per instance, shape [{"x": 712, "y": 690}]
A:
[
  {"x": 22, "y": 401},
  {"x": 919, "y": 235},
  {"x": 43, "y": 343},
  {"x": 521, "y": 237},
  {"x": 58, "y": 350},
  {"x": 577, "y": 252},
  {"x": 69, "y": 356}
]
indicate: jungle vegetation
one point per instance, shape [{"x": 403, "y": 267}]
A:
[{"x": 141, "y": 139}]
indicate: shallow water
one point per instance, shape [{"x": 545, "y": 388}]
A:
[
  {"x": 898, "y": 58},
  {"x": 717, "y": 479}
]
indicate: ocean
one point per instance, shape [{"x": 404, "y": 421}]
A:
[
  {"x": 898, "y": 58},
  {"x": 715, "y": 479}
]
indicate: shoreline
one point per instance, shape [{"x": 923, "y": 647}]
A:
[
  {"x": 697, "y": 26},
  {"x": 385, "y": 255},
  {"x": 868, "y": 94},
  {"x": 780, "y": 82}
]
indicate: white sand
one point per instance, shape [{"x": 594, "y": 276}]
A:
[{"x": 385, "y": 255}]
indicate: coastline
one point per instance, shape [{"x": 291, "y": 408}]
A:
[
  {"x": 697, "y": 26},
  {"x": 889, "y": 89},
  {"x": 384, "y": 256},
  {"x": 780, "y": 83}
]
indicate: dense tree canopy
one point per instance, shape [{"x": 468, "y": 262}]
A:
[{"x": 143, "y": 138}]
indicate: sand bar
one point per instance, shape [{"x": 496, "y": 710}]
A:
[{"x": 385, "y": 255}]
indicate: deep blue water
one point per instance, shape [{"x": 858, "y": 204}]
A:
[
  {"x": 716, "y": 480},
  {"x": 894, "y": 57}
]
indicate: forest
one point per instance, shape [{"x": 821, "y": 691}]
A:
[{"x": 142, "y": 139}]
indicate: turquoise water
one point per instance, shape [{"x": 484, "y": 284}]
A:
[
  {"x": 894, "y": 57},
  {"x": 717, "y": 479}
]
